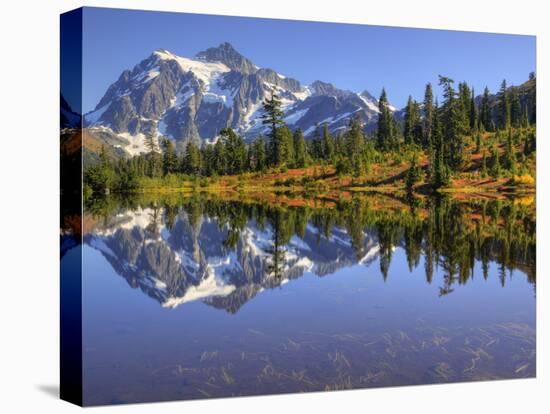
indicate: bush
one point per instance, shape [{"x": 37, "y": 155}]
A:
[
  {"x": 307, "y": 179},
  {"x": 524, "y": 180},
  {"x": 343, "y": 166},
  {"x": 290, "y": 181}
]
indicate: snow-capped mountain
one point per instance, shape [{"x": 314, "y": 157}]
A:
[
  {"x": 189, "y": 260},
  {"x": 194, "y": 98}
]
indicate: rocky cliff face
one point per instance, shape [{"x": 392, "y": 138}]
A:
[{"x": 192, "y": 99}]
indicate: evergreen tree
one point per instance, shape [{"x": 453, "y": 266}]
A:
[
  {"x": 208, "y": 161},
  {"x": 478, "y": 142},
  {"x": 428, "y": 116},
  {"x": 515, "y": 108},
  {"x": 317, "y": 144},
  {"x": 453, "y": 123},
  {"x": 414, "y": 174},
  {"x": 511, "y": 161},
  {"x": 220, "y": 158},
  {"x": 100, "y": 177},
  {"x": 465, "y": 97},
  {"x": 530, "y": 145},
  {"x": 192, "y": 159},
  {"x": 355, "y": 146},
  {"x": 504, "y": 106},
  {"x": 300, "y": 151},
  {"x": 286, "y": 146},
  {"x": 473, "y": 113},
  {"x": 169, "y": 159},
  {"x": 525, "y": 117},
  {"x": 235, "y": 151},
  {"x": 440, "y": 176},
  {"x": 250, "y": 166},
  {"x": 496, "y": 169},
  {"x": 259, "y": 154},
  {"x": 412, "y": 132},
  {"x": 153, "y": 155},
  {"x": 485, "y": 111},
  {"x": 385, "y": 132},
  {"x": 339, "y": 144},
  {"x": 273, "y": 117},
  {"x": 328, "y": 144},
  {"x": 484, "y": 165}
]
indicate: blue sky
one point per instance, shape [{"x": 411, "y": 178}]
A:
[{"x": 354, "y": 57}]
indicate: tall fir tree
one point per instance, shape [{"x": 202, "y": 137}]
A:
[
  {"x": 220, "y": 158},
  {"x": 473, "y": 115},
  {"x": 483, "y": 170},
  {"x": 317, "y": 143},
  {"x": 412, "y": 130},
  {"x": 300, "y": 149},
  {"x": 235, "y": 151},
  {"x": 485, "y": 111},
  {"x": 385, "y": 134},
  {"x": 208, "y": 160},
  {"x": 153, "y": 155},
  {"x": 169, "y": 158},
  {"x": 478, "y": 142},
  {"x": 439, "y": 176},
  {"x": 465, "y": 97},
  {"x": 408, "y": 126},
  {"x": 428, "y": 116},
  {"x": 192, "y": 159},
  {"x": 453, "y": 124},
  {"x": 504, "y": 106},
  {"x": 496, "y": 168},
  {"x": 328, "y": 144},
  {"x": 273, "y": 116},
  {"x": 355, "y": 146},
  {"x": 259, "y": 154},
  {"x": 414, "y": 174}
]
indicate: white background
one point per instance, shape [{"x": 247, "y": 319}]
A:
[{"x": 29, "y": 252}]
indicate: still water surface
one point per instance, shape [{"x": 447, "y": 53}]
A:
[{"x": 203, "y": 298}]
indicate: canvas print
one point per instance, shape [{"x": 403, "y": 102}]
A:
[{"x": 258, "y": 206}]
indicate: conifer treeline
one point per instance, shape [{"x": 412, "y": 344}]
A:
[{"x": 440, "y": 130}]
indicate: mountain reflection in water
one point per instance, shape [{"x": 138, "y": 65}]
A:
[{"x": 224, "y": 253}]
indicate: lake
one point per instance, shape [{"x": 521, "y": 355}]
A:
[{"x": 202, "y": 297}]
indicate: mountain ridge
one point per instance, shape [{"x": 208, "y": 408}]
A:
[{"x": 192, "y": 99}]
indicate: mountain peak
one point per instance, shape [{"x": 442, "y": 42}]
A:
[
  {"x": 226, "y": 54},
  {"x": 163, "y": 53},
  {"x": 325, "y": 88},
  {"x": 226, "y": 46},
  {"x": 366, "y": 94}
]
